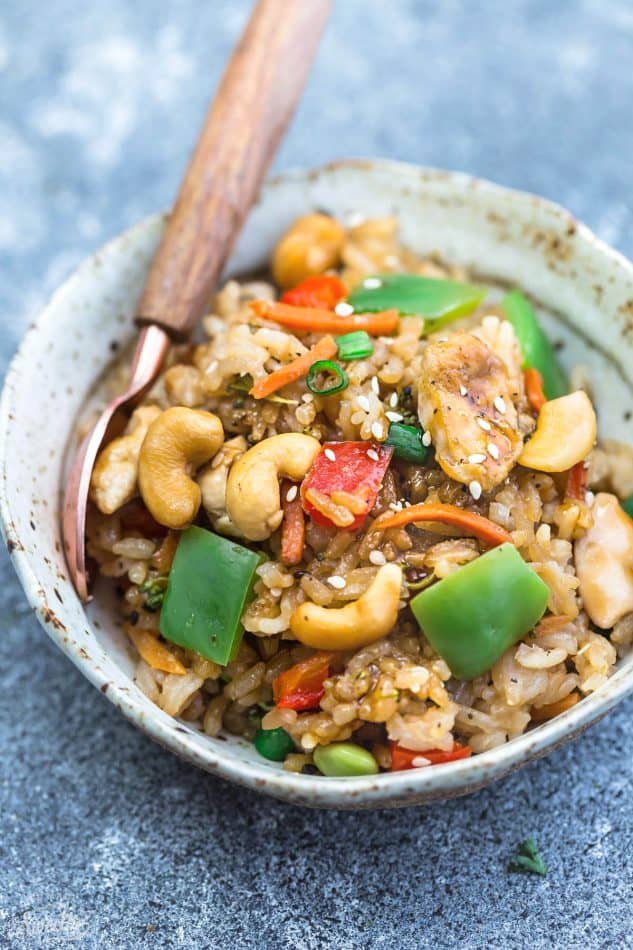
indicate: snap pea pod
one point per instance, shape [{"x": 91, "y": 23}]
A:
[
  {"x": 438, "y": 301},
  {"x": 538, "y": 353},
  {"x": 472, "y": 616},
  {"x": 209, "y": 585},
  {"x": 344, "y": 759}
]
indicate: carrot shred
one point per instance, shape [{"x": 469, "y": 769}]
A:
[
  {"x": 482, "y": 528},
  {"x": 155, "y": 653},
  {"x": 315, "y": 320},
  {"x": 292, "y": 526},
  {"x": 325, "y": 349},
  {"x": 543, "y": 713},
  {"x": 577, "y": 482},
  {"x": 534, "y": 388}
]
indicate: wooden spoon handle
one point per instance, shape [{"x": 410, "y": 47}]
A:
[{"x": 244, "y": 125}]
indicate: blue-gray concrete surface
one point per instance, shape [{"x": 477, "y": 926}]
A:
[{"x": 108, "y": 841}]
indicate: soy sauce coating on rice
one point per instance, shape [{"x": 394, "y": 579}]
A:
[{"x": 455, "y": 385}]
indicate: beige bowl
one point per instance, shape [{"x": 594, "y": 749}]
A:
[{"x": 585, "y": 291}]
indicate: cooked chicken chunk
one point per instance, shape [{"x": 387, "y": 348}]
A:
[
  {"x": 604, "y": 563},
  {"x": 467, "y": 401}
]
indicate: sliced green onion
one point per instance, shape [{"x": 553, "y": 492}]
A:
[
  {"x": 354, "y": 346},
  {"x": 241, "y": 384},
  {"x": 407, "y": 442},
  {"x": 330, "y": 369},
  {"x": 421, "y": 584}
]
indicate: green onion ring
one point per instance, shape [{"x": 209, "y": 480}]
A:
[{"x": 326, "y": 366}]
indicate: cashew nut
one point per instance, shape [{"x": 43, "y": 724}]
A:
[
  {"x": 178, "y": 442},
  {"x": 252, "y": 490},
  {"x": 357, "y": 624},
  {"x": 604, "y": 563},
  {"x": 312, "y": 245},
  {"x": 113, "y": 481}
]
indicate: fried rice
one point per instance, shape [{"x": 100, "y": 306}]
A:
[{"x": 396, "y": 690}]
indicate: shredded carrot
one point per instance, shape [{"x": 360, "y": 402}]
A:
[
  {"x": 534, "y": 388},
  {"x": 325, "y": 349},
  {"x": 164, "y": 557},
  {"x": 543, "y": 713},
  {"x": 313, "y": 320},
  {"x": 577, "y": 482},
  {"x": 155, "y": 653},
  {"x": 293, "y": 525},
  {"x": 552, "y": 623},
  {"x": 471, "y": 523}
]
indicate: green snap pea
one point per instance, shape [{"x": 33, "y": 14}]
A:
[
  {"x": 273, "y": 744},
  {"x": 344, "y": 759}
]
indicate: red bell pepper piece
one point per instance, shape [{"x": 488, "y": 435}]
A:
[
  {"x": 322, "y": 291},
  {"x": 402, "y": 758},
  {"x": 577, "y": 482},
  {"x": 349, "y": 475},
  {"x": 301, "y": 687}
]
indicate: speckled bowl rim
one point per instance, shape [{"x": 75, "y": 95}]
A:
[{"x": 385, "y": 790}]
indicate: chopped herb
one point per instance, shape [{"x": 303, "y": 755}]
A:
[
  {"x": 241, "y": 384},
  {"x": 528, "y": 859},
  {"x": 154, "y": 589},
  {"x": 407, "y": 407}
]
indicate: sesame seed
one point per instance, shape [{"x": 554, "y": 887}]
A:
[
  {"x": 426, "y": 439},
  {"x": 292, "y": 493},
  {"x": 493, "y": 451},
  {"x": 372, "y": 282},
  {"x": 376, "y": 430},
  {"x": 375, "y": 385},
  {"x": 344, "y": 309},
  {"x": 363, "y": 402},
  {"x": 373, "y": 455},
  {"x": 377, "y": 558},
  {"x": 484, "y": 424},
  {"x": 393, "y": 400},
  {"x": 307, "y": 397},
  {"x": 329, "y": 454},
  {"x": 463, "y": 391},
  {"x": 394, "y": 416},
  {"x": 477, "y": 458},
  {"x": 336, "y": 581},
  {"x": 500, "y": 404},
  {"x": 475, "y": 490}
]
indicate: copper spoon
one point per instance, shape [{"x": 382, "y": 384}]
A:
[{"x": 243, "y": 127}]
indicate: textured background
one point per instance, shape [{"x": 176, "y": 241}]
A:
[{"x": 105, "y": 839}]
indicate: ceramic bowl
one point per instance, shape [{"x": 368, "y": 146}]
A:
[{"x": 585, "y": 294}]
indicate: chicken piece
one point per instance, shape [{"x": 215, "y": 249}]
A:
[
  {"x": 468, "y": 403},
  {"x": 604, "y": 563}
]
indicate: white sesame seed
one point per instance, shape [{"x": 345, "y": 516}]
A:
[
  {"x": 329, "y": 454},
  {"x": 372, "y": 282},
  {"x": 275, "y": 591},
  {"x": 475, "y": 490},
  {"x": 363, "y": 402},
  {"x": 394, "y": 416},
  {"x": 499, "y": 404},
  {"x": 426, "y": 439},
  {"x": 477, "y": 458},
  {"x": 393, "y": 400},
  {"x": 307, "y": 397},
  {"x": 336, "y": 581},
  {"x": 344, "y": 309},
  {"x": 377, "y": 430},
  {"x": 377, "y": 558},
  {"x": 375, "y": 385},
  {"x": 373, "y": 455},
  {"x": 463, "y": 391},
  {"x": 493, "y": 451},
  {"x": 292, "y": 493},
  {"x": 484, "y": 424}
]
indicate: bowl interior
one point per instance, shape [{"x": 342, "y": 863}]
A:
[{"x": 584, "y": 293}]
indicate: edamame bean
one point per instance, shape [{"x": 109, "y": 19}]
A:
[
  {"x": 273, "y": 744},
  {"x": 344, "y": 758}
]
